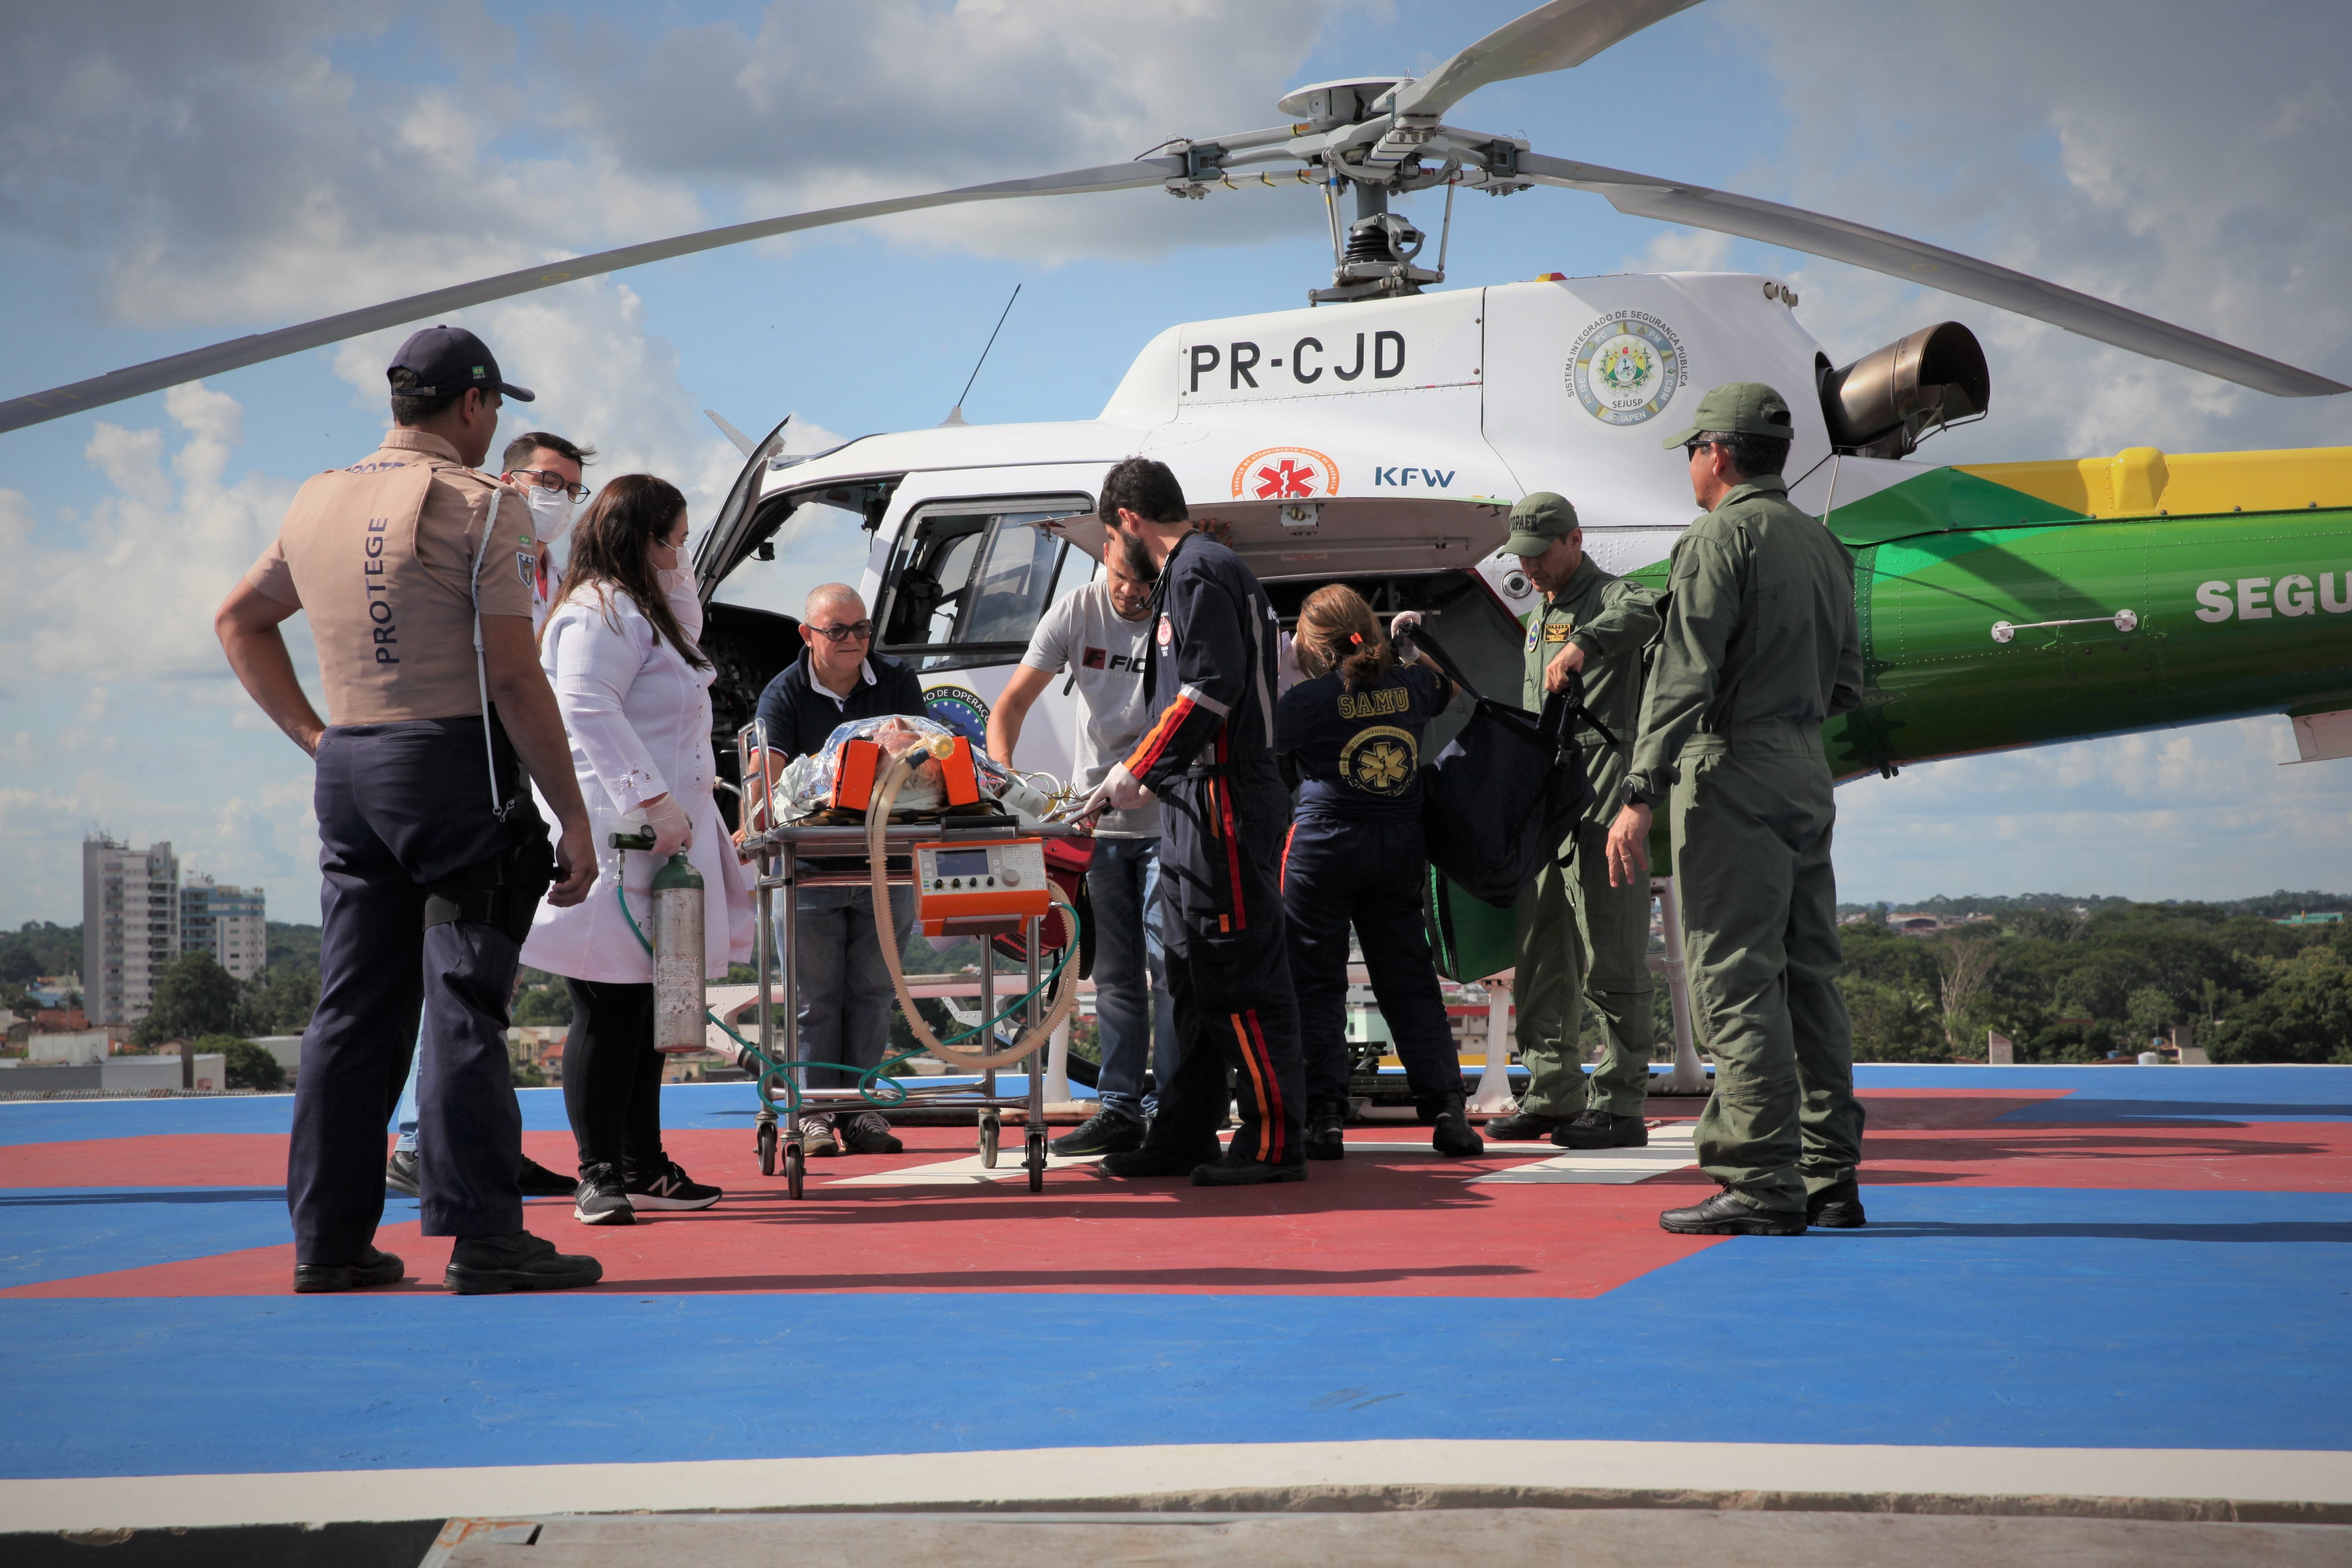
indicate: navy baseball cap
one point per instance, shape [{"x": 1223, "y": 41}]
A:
[{"x": 446, "y": 361}]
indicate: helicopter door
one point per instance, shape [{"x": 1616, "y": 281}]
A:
[{"x": 970, "y": 580}]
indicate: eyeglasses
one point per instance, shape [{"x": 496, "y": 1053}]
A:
[
  {"x": 548, "y": 479},
  {"x": 1693, "y": 448},
  {"x": 857, "y": 631}
]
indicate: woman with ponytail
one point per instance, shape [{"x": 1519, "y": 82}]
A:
[{"x": 1352, "y": 729}]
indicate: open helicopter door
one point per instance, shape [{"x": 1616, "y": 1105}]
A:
[{"x": 746, "y": 645}]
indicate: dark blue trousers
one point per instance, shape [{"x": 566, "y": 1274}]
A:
[
  {"x": 1228, "y": 972},
  {"x": 1372, "y": 874},
  {"x": 401, "y": 807}
]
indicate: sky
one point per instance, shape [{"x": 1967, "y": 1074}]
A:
[{"x": 171, "y": 176}]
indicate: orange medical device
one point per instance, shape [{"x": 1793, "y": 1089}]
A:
[
  {"x": 861, "y": 763},
  {"x": 980, "y": 889}
]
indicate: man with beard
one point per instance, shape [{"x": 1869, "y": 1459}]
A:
[{"x": 1208, "y": 757}]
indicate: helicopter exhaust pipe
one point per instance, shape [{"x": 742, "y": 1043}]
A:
[{"x": 1885, "y": 402}]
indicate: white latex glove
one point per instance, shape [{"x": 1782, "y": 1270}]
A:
[
  {"x": 1403, "y": 627},
  {"x": 673, "y": 829},
  {"x": 1119, "y": 791}
]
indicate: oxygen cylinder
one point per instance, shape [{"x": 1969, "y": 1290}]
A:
[{"x": 678, "y": 957}]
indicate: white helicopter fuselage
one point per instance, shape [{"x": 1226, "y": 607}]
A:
[{"x": 1382, "y": 441}]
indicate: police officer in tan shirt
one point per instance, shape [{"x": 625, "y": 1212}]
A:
[{"x": 433, "y": 853}]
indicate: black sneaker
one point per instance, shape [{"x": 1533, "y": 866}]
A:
[
  {"x": 1162, "y": 1159},
  {"x": 492, "y": 1264},
  {"x": 539, "y": 1182},
  {"x": 400, "y": 1175},
  {"x": 668, "y": 1186},
  {"x": 868, "y": 1132},
  {"x": 1325, "y": 1134},
  {"x": 1450, "y": 1133},
  {"x": 371, "y": 1270},
  {"x": 601, "y": 1198},
  {"x": 1723, "y": 1214},
  {"x": 1522, "y": 1127},
  {"x": 1836, "y": 1207},
  {"x": 1103, "y": 1132},
  {"x": 1598, "y": 1130},
  {"x": 1244, "y": 1172}
]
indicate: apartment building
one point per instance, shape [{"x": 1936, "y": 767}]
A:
[
  {"x": 130, "y": 925},
  {"x": 227, "y": 922}
]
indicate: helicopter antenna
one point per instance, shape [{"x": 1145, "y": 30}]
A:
[{"x": 955, "y": 414}]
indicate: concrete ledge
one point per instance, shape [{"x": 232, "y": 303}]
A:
[{"x": 1407, "y": 1475}]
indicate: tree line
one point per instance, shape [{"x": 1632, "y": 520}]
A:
[{"x": 2071, "y": 980}]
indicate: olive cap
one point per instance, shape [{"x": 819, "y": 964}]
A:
[
  {"x": 1538, "y": 520},
  {"x": 1740, "y": 408}
]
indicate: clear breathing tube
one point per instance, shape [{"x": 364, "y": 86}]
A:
[{"x": 874, "y": 1084}]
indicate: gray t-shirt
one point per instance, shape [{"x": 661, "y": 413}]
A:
[{"x": 1083, "y": 632}]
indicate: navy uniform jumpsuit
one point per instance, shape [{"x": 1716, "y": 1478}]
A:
[
  {"x": 1356, "y": 856},
  {"x": 1209, "y": 757}
]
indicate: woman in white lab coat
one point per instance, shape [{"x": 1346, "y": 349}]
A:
[{"x": 619, "y": 647}]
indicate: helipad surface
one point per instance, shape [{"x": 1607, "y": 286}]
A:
[{"x": 2109, "y": 1281}]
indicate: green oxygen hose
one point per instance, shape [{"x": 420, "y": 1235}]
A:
[{"x": 875, "y": 1086}]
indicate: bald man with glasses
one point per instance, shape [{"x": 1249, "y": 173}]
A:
[{"x": 845, "y": 994}]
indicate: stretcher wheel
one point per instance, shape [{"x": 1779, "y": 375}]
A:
[
  {"x": 765, "y": 1140},
  {"x": 988, "y": 1133},
  {"x": 795, "y": 1168},
  {"x": 1034, "y": 1158}
]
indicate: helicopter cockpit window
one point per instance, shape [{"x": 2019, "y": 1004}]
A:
[{"x": 966, "y": 586}]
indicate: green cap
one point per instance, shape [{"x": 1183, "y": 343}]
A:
[
  {"x": 1538, "y": 520},
  {"x": 1740, "y": 408}
]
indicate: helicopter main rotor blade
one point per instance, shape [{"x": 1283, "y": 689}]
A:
[
  {"x": 1920, "y": 262},
  {"x": 1548, "y": 39},
  {"x": 237, "y": 352}
]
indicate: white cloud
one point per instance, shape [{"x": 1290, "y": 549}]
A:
[
  {"x": 2185, "y": 175},
  {"x": 128, "y": 595}
]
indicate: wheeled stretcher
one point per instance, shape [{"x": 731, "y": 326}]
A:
[{"x": 976, "y": 872}]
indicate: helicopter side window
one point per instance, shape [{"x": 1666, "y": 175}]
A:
[{"x": 969, "y": 586}]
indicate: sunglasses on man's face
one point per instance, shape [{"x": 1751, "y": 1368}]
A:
[{"x": 856, "y": 631}]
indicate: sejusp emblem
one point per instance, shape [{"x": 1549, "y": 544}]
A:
[
  {"x": 961, "y": 709},
  {"x": 1627, "y": 367}
]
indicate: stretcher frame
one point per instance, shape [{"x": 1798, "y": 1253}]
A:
[{"x": 782, "y": 854}]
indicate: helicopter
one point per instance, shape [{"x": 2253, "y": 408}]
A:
[{"x": 1380, "y": 434}]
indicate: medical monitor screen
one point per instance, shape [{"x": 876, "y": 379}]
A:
[{"x": 961, "y": 863}]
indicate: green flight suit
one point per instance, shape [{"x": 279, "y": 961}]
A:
[
  {"x": 1760, "y": 647},
  {"x": 1582, "y": 941}
]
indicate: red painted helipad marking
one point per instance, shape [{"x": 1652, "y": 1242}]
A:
[{"x": 1387, "y": 1225}]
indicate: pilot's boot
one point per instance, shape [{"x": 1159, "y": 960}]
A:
[
  {"x": 1451, "y": 1132},
  {"x": 1326, "y": 1136}
]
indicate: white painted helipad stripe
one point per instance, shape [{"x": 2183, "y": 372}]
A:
[
  {"x": 146, "y": 1502},
  {"x": 964, "y": 1171},
  {"x": 1669, "y": 1149}
]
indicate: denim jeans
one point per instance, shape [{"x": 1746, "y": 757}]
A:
[
  {"x": 1132, "y": 1008},
  {"x": 845, "y": 995}
]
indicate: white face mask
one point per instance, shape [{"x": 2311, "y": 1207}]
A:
[
  {"x": 678, "y": 587},
  {"x": 550, "y": 513}
]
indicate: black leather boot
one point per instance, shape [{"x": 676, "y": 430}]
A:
[
  {"x": 1325, "y": 1136},
  {"x": 1836, "y": 1207},
  {"x": 1450, "y": 1133}
]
